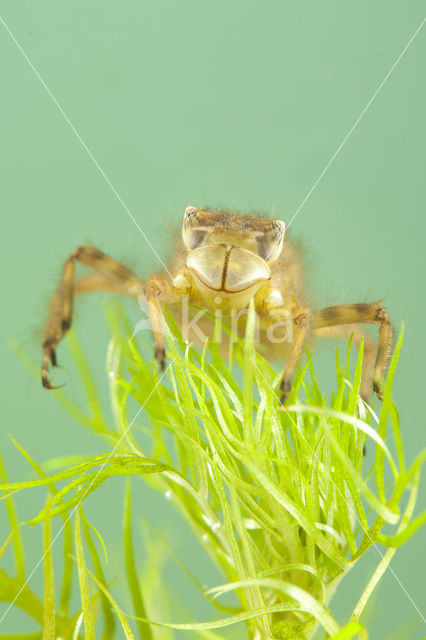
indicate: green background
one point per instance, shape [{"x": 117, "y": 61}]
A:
[{"x": 240, "y": 104}]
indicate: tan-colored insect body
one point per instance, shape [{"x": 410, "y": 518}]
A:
[{"x": 225, "y": 260}]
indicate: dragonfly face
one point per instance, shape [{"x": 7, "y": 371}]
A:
[{"x": 229, "y": 256}]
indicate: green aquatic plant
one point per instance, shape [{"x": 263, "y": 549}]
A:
[{"x": 283, "y": 501}]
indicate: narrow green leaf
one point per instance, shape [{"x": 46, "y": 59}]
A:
[
  {"x": 386, "y": 559},
  {"x": 226, "y": 622},
  {"x": 89, "y": 625},
  {"x": 6, "y": 542},
  {"x": 132, "y": 577},
  {"x": 97, "y": 420},
  {"x": 18, "y": 546},
  {"x": 67, "y": 545},
  {"x": 49, "y": 623},
  {"x": 109, "y": 620},
  {"x": 383, "y": 418},
  {"x": 67, "y": 571},
  {"x": 124, "y": 624},
  {"x": 351, "y": 630},
  {"x": 303, "y": 599},
  {"x": 248, "y": 375},
  {"x": 13, "y": 590},
  {"x": 91, "y": 481}
]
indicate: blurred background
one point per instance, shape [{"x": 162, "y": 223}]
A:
[{"x": 235, "y": 104}]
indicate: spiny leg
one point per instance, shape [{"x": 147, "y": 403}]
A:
[
  {"x": 368, "y": 313},
  {"x": 301, "y": 323},
  {"x": 156, "y": 290},
  {"x": 101, "y": 282},
  {"x": 299, "y": 320},
  {"x": 112, "y": 275},
  {"x": 58, "y": 321}
]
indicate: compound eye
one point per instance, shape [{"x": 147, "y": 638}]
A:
[
  {"x": 192, "y": 235},
  {"x": 270, "y": 241},
  {"x": 189, "y": 214}
]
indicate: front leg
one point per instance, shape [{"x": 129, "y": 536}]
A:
[
  {"x": 159, "y": 292},
  {"x": 300, "y": 318},
  {"x": 301, "y": 324}
]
